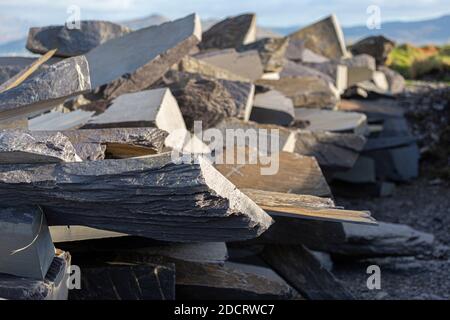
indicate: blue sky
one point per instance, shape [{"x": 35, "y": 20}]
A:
[{"x": 270, "y": 12}]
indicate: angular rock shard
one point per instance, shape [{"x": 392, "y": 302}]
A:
[
  {"x": 73, "y": 42},
  {"x": 17, "y": 146},
  {"x": 324, "y": 37},
  {"x": 53, "y": 287},
  {"x": 138, "y": 59},
  {"x": 378, "y": 47},
  {"x": 307, "y": 92},
  {"x": 246, "y": 64},
  {"x": 230, "y": 33},
  {"x": 47, "y": 89},
  {"x": 301, "y": 269},
  {"x": 26, "y": 248},
  {"x": 272, "y": 107},
  {"x": 116, "y": 281},
  {"x": 271, "y": 51},
  {"x": 149, "y": 108},
  {"x": 150, "y": 197}
]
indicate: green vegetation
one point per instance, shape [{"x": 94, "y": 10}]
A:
[{"x": 421, "y": 62}]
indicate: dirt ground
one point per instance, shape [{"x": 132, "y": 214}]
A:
[{"x": 423, "y": 204}]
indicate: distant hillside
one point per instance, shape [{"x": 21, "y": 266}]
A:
[{"x": 433, "y": 31}]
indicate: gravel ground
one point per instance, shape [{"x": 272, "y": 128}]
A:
[{"x": 423, "y": 204}]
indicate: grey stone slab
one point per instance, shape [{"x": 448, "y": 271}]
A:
[
  {"x": 293, "y": 69},
  {"x": 302, "y": 270},
  {"x": 126, "y": 281},
  {"x": 55, "y": 120},
  {"x": 149, "y": 108},
  {"x": 362, "y": 172},
  {"x": 378, "y": 47},
  {"x": 375, "y": 110},
  {"x": 26, "y": 247},
  {"x": 388, "y": 142},
  {"x": 136, "y": 60},
  {"x": 297, "y": 52},
  {"x": 18, "y": 146},
  {"x": 149, "y": 196},
  {"x": 271, "y": 51},
  {"x": 46, "y": 89},
  {"x": 73, "y": 42},
  {"x": 245, "y": 64},
  {"x": 53, "y": 287},
  {"x": 18, "y": 123},
  {"x": 272, "y": 107},
  {"x": 396, "y": 81},
  {"x": 230, "y": 33},
  {"x": 324, "y": 37}
]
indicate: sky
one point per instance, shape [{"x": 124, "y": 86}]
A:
[{"x": 274, "y": 13}]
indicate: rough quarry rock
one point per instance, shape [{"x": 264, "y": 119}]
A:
[
  {"x": 150, "y": 196},
  {"x": 307, "y": 92},
  {"x": 378, "y": 47},
  {"x": 73, "y": 42},
  {"x": 324, "y": 37},
  {"x": 26, "y": 248},
  {"x": 53, "y": 287},
  {"x": 149, "y": 108},
  {"x": 230, "y": 33},
  {"x": 297, "y": 52},
  {"x": 138, "y": 59},
  {"x": 271, "y": 51},
  {"x": 46, "y": 89},
  {"x": 245, "y": 64},
  {"x": 395, "y": 80},
  {"x": 17, "y": 146},
  {"x": 272, "y": 107},
  {"x": 56, "y": 120}
]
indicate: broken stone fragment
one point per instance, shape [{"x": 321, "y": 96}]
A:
[
  {"x": 52, "y": 287},
  {"x": 148, "y": 196},
  {"x": 56, "y": 121},
  {"x": 395, "y": 80},
  {"x": 73, "y": 42},
  {"x": 149, "y": 108},
  {"x": 17, "y": 146},
  {"x": 297, "y": 52},
  {"x": 307, "y": 92},
  {"x": 136, "y": 60},
  {"x": 46, "y": 89},
  {"x": 26, "y": 248},
  {"x": 126, "y": 281},
  {"x": 245, "y": 64},
  {"x": 378, "y": 47},
  {"x": 272, "y": 107},
  {"x": 271, "y": 51},
  {"x": 230, "y": 33},
  {"x": 324, "y": 37}
]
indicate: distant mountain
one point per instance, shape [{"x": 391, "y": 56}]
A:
[
  {"x": 145, "y": 22},
  {"x": 14, "y": 48},
  {"x": 432, "y": 31}
]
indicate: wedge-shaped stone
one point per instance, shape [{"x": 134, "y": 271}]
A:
[
  {"x": 271, "y": 51},
  {"x": 192, "y": 65},
  {"x": 136, "y": 60},
  {"x": 297, "y": 52},
  {"x": 272, "y": 107},
  {"x": 307, "y": 92},
  {"x": 17, "y": 146},
  {"x": 378, "y": 47},
  {"x": 230, "y": 33},
  {"x": 207, "y": 99},
  {"x": 285, "y": 172},
  {"x": 73, "y": 42},
  {"x": 46, "y": 89},
  {"x": 80, "y": 233},
  {"x": 302, "y": 270},
  {"x": 56, "y": 120},
  {"x": 230, "y": 281},
  {"x": 337, "y": 72},
  {"x": 246, "y": 64},
  {"x": 150, "y": 108},
  {"x": 126, "y": 281},
  {"x": 335, "y": 121},
  {"x": 95, "y": 144},
  {"x": 26, "y": 248},
  {"x": 151, "y": 197},
  {"x": 324, "y": 37},
  {"x": 53, "y": 287}
]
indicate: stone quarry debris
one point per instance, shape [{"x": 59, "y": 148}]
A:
[
  {"x": 230, "y": 33},
  {"x": 378, "y": 47},
  {"x": 271, "y": 51},
  {"x": 272, "y": 107},
  {"x": 47, "y": 89},
  {"x": 136, "y": 60},
  {"x": 56, "y": 120},
  {"x": 73, "y": 42},
  {"x": 324, "y": 37}
]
